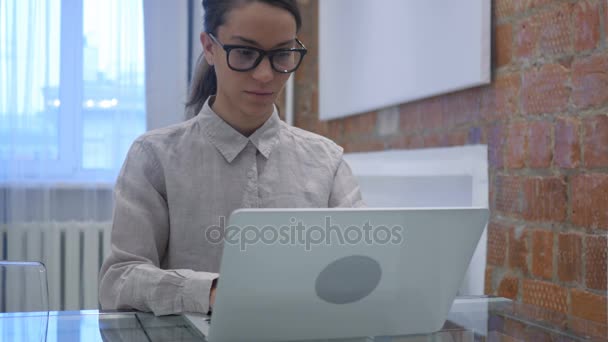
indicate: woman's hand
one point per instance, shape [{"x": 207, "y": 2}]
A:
[{"x": 212, "y": 294}]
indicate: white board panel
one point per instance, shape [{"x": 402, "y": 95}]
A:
[
  {"x": 379, "y": 53},
  {"x": 433, "y": 177}
]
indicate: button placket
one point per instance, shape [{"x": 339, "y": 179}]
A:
[{"x": 251, "y": 191}]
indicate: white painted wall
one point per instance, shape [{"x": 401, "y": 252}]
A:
[{"x": 166, "y": 50}]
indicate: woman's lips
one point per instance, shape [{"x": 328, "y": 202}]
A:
[{"x": 259, "y": 93}]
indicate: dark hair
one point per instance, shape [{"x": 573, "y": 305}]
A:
[{"x": 204, "y": 81}]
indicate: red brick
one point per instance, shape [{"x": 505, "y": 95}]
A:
[
  {"x": 496, "y": 142},
  {"x": 517, "y": 144},
  {"x": 567, "y": 146},
  {"x": 511, "y": 330},
  {"x": 501, "y": 98},
  {"x": 542, "y": 254},
  {"x": 458, "y": 137},
  {"x": 314, "y": 100},
  {"x": 526, "y": 39},
  {"x": 546, "y": 90},
  {"x": 508, "y": 195},
  {"x": 569, "y": 257},
  {"x": 434, "y": 140},
  {"x": 526, "y": 5},
  {"x": 358, "y": 125},
  {"x": 349, "y": 126},
  {"x": 520, "y": 331},
  {"x": 588, "y": 306},
  {"x": 595, "y": 141},
  {"x": 540, "y": 151},
  {"x": 555, "y": 30},
  {"x": 308, "y": 34},
  {"x": 335, "y": 129},
  {"x": 322, "y": 128},
  {"x": 593, "y": 331},
  {"x": 487, "y": 286},
  {"x": 410, "y": 120},
  {"x": 545, "y": 33},
  {"x": 462, "y": 107},
  {"x": 503, "y": 44},
  {"x": 590, "y": 200},
  {"x": 518, "y": 249},
  {"x": 545, "y": 199},
  {"x": 586, "y": 25},
  {"x": 508, "y": 287},
  {"x": 590, "y": 81},
  {"x": 545, "y": 295},
  {"x": 531, "y": 313},
  {"x": 303, "y": 105},
  {"x": 596, "y": 254},
  {"x": 363, "y": 146},
  {"x": 304, "y": 122},
  {"x": 606, "y": 22},
  {"x": 503, "y": 9},
  {"x": 414, "y": 141},
  {"x": 497, "y": 243},
  {"x": 368, "y": 122},
  {"x": 431, "y": 114}
]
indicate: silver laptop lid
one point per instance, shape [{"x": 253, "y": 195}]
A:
[{"x": 298, "y": 274}]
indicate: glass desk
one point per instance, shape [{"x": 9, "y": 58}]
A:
[{"x": 470, "y": 319}]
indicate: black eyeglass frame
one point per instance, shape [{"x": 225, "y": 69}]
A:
[{"x": 263, "y": 54}]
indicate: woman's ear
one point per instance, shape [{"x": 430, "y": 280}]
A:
[{"x": 207, "y": 44}]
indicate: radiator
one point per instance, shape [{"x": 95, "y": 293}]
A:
[{"x": 72, "y": 253}]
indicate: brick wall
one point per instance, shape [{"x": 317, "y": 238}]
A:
[{"x": 545, "y": 121}]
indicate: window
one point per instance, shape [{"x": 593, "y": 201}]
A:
[{"x": 72, "y": 90}]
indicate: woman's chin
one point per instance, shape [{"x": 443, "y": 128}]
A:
[
  {"x": 260, "y": 108},
  {"x": 257, "y": 112},
  {"x": 259, "y": 100}
]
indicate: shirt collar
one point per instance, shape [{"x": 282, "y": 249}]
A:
[{"x": 229, "y": 142}]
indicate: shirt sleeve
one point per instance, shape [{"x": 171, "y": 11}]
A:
[
  {"x": 131, "y": 277},
  {"x": 345, "y": 190}
]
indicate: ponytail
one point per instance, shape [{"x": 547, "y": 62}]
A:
[{"x": 204, "y": 84}]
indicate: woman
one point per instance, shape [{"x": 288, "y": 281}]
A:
[{"x": 179, "y": 181}]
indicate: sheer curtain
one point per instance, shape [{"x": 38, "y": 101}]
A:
[{"x": 72, "y": 100}]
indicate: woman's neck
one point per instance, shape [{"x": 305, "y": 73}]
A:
[{"x": 241, "y": 122}]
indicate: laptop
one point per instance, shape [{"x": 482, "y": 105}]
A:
[{"x": 307, "y": 274}]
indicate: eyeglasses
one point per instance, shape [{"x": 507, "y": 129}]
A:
[{"x": 245, "y": 58}]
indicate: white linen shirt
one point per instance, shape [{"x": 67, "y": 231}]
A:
[{"x": 179, "y": 180}]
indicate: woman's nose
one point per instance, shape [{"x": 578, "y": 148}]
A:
[{"x": 263, "y": 72}]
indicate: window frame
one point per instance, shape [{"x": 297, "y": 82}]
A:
[{"x": 67, "y": 168}]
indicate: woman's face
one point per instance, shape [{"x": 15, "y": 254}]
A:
[{"x": 251, "y": 93}]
